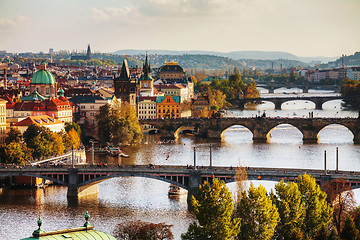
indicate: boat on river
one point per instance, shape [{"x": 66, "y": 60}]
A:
[
  {"x": 175, "y": 190},
  {"x": 114, "y": 152}
]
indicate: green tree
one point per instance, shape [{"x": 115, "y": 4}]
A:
[
  {"x": 288, "y": 200},
  {"x": 318, "y": 211},
  {"x": 14, "y": 135},
  {"x": 105, "y": 120},
  {"x": 213, "y": 207},
  {"x": 259, "y": 216}
]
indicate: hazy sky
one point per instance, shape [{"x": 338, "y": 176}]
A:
[{"x": 301, "y": 27}]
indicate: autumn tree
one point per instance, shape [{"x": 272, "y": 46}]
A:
[
  {"x": 217, "y": 99},
  {"x": 259, "y": 216},
  {"x": 341, "y": 197},
  {"x": 349, "y": 231},
  {"x": 318, "y": 212},
  {"x": 291, "y": 208},
  {"x": 73, "y": 125},
  {"x": 14, "y": 152},
  {"x": 213, "y": 207},
  {"x": 14, "y": 135},
  {"x": 118, "y": 124},
  {"x": 138, "y": 230}
]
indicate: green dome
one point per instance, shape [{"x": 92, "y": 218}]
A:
[{"x": 43, "y": 77}]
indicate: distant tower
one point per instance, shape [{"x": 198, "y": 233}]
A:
[
  {"x": 272, "y": 65},
  {"x": 280, "y": 66},
  {"x": 343, "y": 61},
  {"x": 88, "y": 53}
]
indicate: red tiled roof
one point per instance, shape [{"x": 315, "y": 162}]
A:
[{"x": 42, "y": 120}]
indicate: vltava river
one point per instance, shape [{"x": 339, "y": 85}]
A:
[{"x": 124, "y": 199}]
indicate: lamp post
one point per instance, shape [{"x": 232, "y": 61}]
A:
[
  {"x": 195, "y": 158},
  {"x": 210, "y": 157},
  {"x": 325, "y": 162}
]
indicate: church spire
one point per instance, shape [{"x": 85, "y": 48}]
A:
[
  {"x": 88, "y": 53},
  {"x": 125, "y": 72},
  {"x": 146, "y": 68}
]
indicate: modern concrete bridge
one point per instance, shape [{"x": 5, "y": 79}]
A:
[
  {"x": 278, "y": 101},
  {"x": 82, "y": 180},
  {"x": 260, "y": 127}
]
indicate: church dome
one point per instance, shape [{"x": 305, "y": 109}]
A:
[{"x": 43, "y": 76}]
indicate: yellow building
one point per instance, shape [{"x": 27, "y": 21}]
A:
[
  {"x": 2, "y": 120},
  {"x": 168, "y": 107}
]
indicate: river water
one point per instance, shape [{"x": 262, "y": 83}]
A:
[{"x": 124, "y": 199}]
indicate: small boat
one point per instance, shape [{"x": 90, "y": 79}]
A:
[
  {"x": 175, "y": 190},
  {"x": 113, "y": 151}
]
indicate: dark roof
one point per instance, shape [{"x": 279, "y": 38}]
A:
[
  {"x": 86, "y": 98},
  {"x": 171, "y": 68}
]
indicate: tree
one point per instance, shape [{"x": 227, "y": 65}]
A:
[
  {"x": 318, "y": 211},
  {"x": 288, "y": 200},
  {"x": 104, "y": 121},
  {"x": 217, "y": 99},
  {"x": 349, "y": 231},
  {"x": 74, "y": 138},
  {"x": 138, "y": 230},
  {"x": 341, "y": 197},
  {"x": 118, "y": 124},
  {"x": 213, "y": 207},
  {"x": 73, "y": 125},
  {"x": 259, "y": 216},
  {"x": 14, "y": 135},
  {"x": 14, "y": 152}
]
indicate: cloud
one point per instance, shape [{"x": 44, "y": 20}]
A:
[
  {"x": 7, "y": 24},
  {"x": 154, "y": 9}
]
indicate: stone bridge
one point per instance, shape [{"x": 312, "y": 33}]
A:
[
  {"x": 278, "y": 101},
  {"x": 260, "y": 127},
  {"x": 82, "y": 180}
]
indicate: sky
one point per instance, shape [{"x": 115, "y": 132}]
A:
[{"x": 306, "y": 28}]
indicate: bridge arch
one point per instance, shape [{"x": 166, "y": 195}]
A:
[
  {"x": 106, "y": 177},
  {"x": 338, "y": 129},
  {"x": 284, "y": 125},
  {"x": 235, "y": 125},
  {"x": 55, "y": 180}
]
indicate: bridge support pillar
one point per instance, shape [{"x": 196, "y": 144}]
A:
[
  {"x": 260, "y": 136},
  {"x": 73, "y": 189},
  {"x": 278, "y": 105},
  {"x": 310, "y": 136},
  {"x": 194, "y": 183},
  {"x": 318, "y": 105},
  {"x": 324, "y": 179},
  {"x": 212, "y": 133},
  {"x": 167, "y": 133}
]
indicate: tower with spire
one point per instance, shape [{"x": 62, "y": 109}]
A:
[
  {"x": 146, "y": 81},
  {"x": 125, "y": 86},
  {"x": 88, "y": 52}
]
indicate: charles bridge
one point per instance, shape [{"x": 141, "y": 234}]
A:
[
  {"x": 278, "y": 101},
  {"x": 260, "y": 127}
]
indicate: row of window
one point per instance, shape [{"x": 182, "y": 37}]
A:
[
  {"x": 169, "y": 111},
  {"x": 147, "y": 112},
  {"x": 147, "y": 107}
]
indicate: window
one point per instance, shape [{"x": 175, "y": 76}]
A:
[{"x": 92, "y": 107}]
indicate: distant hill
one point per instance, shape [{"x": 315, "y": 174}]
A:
[
  {"x": 236, "y": 55},
  {"x": 211, "y": 62},
  {"x": 350, "y": 61}
]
